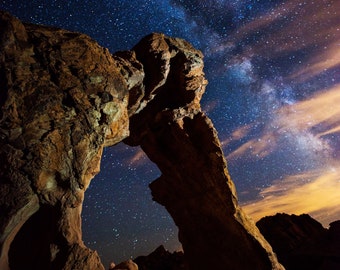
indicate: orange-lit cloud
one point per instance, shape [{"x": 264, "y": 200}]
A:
[
  {"x": 303, "y": 123},
  {"x": 264, "y": 20},
  {"x": 210, "y": 106},
  {"x": 313, "y": 25},
  {"x": 316, "y": 25},
  {"x": 321, "y": 109},
  {"x": 237, "y": 135},
  {"x": 259, "y": 148},
  {"x": 330, "y": 131},
  {"x": 327, "y": 59},
  {"x": 309, "y": 22},
  {"x": 311, "y": 192},
  {"x": 241, "y": 132},
  {"x": 139, "y": 158}
]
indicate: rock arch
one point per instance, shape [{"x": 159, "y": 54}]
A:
[{"x": 64, "y": 98}]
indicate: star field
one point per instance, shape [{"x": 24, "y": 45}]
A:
[{"x": 274, "y": 81}]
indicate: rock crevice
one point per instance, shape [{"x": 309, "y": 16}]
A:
[{"x": 64, "y": 98}]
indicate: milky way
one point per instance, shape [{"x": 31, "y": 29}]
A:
[{"x": 273, "y": 95}]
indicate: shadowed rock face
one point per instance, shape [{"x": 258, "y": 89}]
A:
[
  {"x": 161, "y": 259},
  {"x": 63, "y": 98},
  {"x": 301, "y": 242}
]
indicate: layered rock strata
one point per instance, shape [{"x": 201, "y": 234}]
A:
[{"x": 63, "y": 98}]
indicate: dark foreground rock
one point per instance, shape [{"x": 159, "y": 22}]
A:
[
  {"x": 161, "y": 259},
  {"x": 301, "y": 242},
  {"x": 63, "y": 98}
]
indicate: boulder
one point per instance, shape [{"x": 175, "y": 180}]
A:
[{"x": 127, "y": 265}]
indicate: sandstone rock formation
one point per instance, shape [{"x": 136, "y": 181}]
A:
[
  {"x": 161, "y": 259},
  {"x": 127, "y": 265},
  {"x": 195, "y": 186},
  {"x": 301, "y": 242},
  {"x": 63, "y": 98}
]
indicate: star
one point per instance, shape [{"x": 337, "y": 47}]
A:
[{"x": 272, "y": 68}]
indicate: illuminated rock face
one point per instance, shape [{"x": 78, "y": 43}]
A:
[{"x": 63, "y": 98}]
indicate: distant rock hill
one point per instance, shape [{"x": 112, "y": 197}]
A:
[
  {"x": 302, "y": 243},
  {"x": 161, "y": 259}
]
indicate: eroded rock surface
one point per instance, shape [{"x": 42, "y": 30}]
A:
[
  {"x": 195, "y": 186},
  {"x": 63, "y": 98},
  {"x": 301, "y": 243}
]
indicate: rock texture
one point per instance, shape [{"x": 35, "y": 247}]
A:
[
  {"x": 161, "y": 259},
  {"x": 63, "y": 98},
  {"x": 195, "y": 186},
  {"x": 127, "y": 265},
  {"x": 301, "y": 242}
]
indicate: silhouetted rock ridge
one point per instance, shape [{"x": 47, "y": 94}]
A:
[
  {"x": 301, "y": 242},
  {"x": 161, "y": 259}
]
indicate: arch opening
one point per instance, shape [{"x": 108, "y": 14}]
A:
[{"x": 119, "y": 218}]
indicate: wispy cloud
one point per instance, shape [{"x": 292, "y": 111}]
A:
[
  {"x": 139, "y": 158},
  {"x": 320, "y": 114},
  {"x": 304, "y": 124},
  {"x": 328, "y": 58},
  {"x": 293, "y": 29},
  {"x": 258, "y": 148},
  {"x": 310, "y": 192},
  {"x": 301, "y": 25},
  {"x": 262, "y": 21},
  {"x": 237, "y": 135},
  {"x": 241, "y": 132}
]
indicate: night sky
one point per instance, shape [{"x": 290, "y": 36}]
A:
[{"x": 273, "y": 95}]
